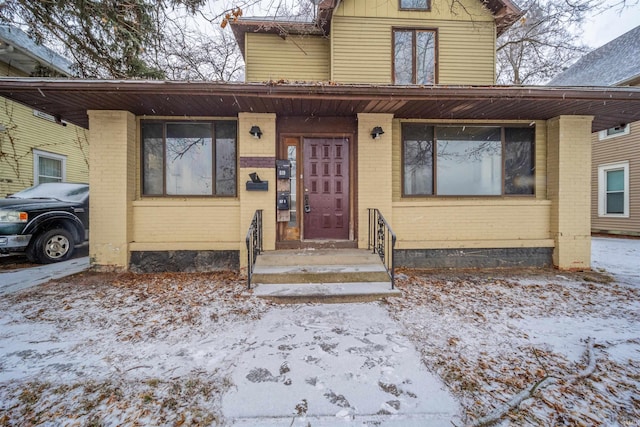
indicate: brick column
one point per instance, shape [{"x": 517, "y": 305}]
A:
[
  {"x": 257, "y": 155},
  {"x": 112, "y": 180},
  {"x": 374, "y": 185},
  {"x": 569, "y": 189}
]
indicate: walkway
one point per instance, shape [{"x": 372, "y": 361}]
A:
[{"x": 342, "y": 364}]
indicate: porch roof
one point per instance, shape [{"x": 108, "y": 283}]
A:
[{"x": 69, "y": 100}]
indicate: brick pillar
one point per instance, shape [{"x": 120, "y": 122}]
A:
[
  {"x": 374, "y": 185},
  {"x": 569, "y": 189},
  {"x": 112, "y": 180},
  {"x": 257, "y": 155}
]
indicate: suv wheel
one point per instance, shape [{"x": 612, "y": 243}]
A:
[{"x": 54, "y": 246}]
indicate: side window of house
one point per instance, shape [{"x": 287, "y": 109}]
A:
[
  {"x": 189, "y": 158},
  {"x": 48, "y": 167},
  {"x": 614, "y": 132},
  {"x": 415, "y": 5},
  {"x": 613, "y": 190},
  {"x": 467, "y": 160},
  {"x": 414, "y": 57}
]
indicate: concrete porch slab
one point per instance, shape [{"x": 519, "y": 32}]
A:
[{"x": 325, "y": 292}]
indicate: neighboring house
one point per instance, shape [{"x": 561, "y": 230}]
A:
[
  {"x": 35, "y": 146},
  {"x": 615, "y": 175},
  {"x": 378, "y": 104}
]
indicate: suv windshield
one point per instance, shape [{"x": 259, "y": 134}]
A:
[{"x": 55, "y": 190}]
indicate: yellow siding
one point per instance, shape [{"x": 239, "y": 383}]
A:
[
  {"x": 463, "y": 10},
  {"x": 301, "y": 58},
  {"x": 362, "y": 51},
  {"x": 25, "y": 132},
  {"x": 8, "y": 71}
]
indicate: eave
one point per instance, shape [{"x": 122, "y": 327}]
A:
[{"x": 70, "y": 100}]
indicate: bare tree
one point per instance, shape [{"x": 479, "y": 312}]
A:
[
  {"x": 546, "y": 39},
  {"x": 131, "y": 38}
]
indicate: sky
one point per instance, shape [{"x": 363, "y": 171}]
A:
[{"x": 601, "y": 29}]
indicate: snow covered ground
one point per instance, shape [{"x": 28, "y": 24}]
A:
[{"x": 197, "y": 349}]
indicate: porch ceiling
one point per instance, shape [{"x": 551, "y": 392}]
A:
[{"x": 69, "y": 100}]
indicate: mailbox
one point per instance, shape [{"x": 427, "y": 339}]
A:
[
  {"x": 283, "y": 200},
  {"x": 283, "y": 169}
]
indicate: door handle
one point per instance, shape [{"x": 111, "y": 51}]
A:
[{"x": 307, "y": 208}]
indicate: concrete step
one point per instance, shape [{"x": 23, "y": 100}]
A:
[
  {"x": 295, "y": 293},
  {"x": 318, "y": 266}
]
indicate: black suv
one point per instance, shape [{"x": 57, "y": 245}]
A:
[{"x": 45, "y": 222}]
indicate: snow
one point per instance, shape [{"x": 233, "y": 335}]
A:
[
  {"x": 177, "y": 349},
  {"x": 620, "y": 257},
  {"x": 18, "y": 280}
]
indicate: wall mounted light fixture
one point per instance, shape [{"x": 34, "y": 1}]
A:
[
  {"x": 255, "y": 132},
  {"x": 376, "y": 132}
]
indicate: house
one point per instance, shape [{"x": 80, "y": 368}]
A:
[
  {"x": 36, "y": 146},
  {"x": 386, "y": 104},
  {"x": 615, "y": 159}
]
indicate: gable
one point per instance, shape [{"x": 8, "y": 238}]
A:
[
  {"x": 465, "y": 10},
  {"x": 504, "y": 13}
]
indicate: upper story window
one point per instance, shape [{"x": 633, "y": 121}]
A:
[
  {"x": 48, "y": 167},
  {"x": 414, "y": 57},
  {"x": 189, "y": 158},
  {"x": 415, "y": 5},
  {"x": 467, "y": 160}
]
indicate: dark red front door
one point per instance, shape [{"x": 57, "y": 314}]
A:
[{"x": 326, "y": 188}]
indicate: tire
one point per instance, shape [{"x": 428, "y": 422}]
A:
[
  {"x": 54, "y": 246},
  {"x": 31, "y": 252}
]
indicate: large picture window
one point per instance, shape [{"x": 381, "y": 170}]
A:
[
  {"x": 189, "y": 158},
  {"x": 414, "y": 57},
  {"x": 467, "y": 160}
]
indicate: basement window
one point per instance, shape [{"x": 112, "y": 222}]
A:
[{"x": 189, "y": 158}]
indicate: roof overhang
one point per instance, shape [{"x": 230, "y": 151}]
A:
[
  {"x": 21, "y": 52},
  {"x": 70, "y": 100},
  {"x": 505, "y": 13}
]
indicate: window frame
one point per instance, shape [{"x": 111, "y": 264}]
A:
[
  {"x": 414, "y": 71},
  {"x": 414, "y": 9},
  {"x": 434, "y": 171},
  {"x": 602, "y": 189},
  {"x": 164, "y": 123},
  {"x": 614, "y": 132},
  {"x": 38, "y": 154}
]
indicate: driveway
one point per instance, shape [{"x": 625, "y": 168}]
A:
[{"x": 24, "y": 278}]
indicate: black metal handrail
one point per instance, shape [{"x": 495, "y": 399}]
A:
[
  {"x": 254, "y": 243},
  {"x": 382, "y": 240}
]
